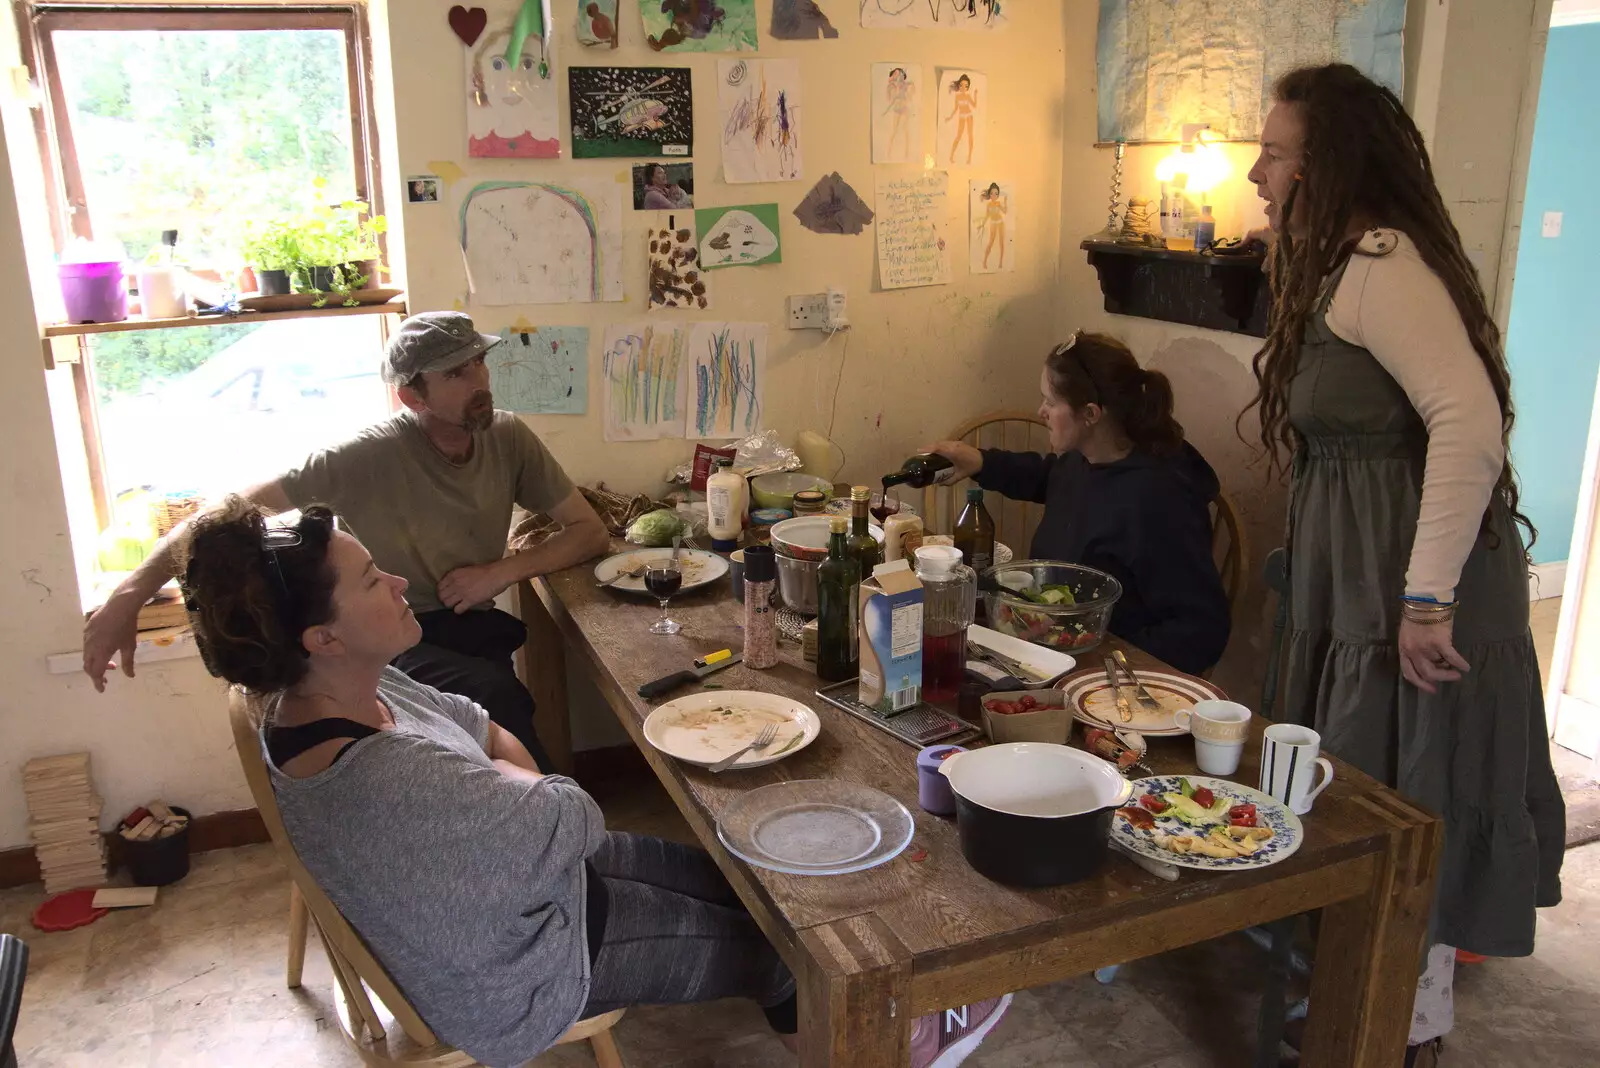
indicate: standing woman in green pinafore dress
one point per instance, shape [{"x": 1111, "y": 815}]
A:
[{"x": 1384, "y": 378}]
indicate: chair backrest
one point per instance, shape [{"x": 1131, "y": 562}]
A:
[
  {"x": 1014, "y": 521},
  {"x": 244, "y": 712},
  {"x": 1231, "y": 549}
]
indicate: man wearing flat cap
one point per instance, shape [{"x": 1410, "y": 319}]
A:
[{"x": 429, "y": 493}]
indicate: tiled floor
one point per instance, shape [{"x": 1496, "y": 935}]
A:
[{"x": 198, "y": 981}]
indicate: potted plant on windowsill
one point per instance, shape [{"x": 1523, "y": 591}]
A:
[
  {"x": 341, "y": 251},
  {"x": 274, "y": 253}
]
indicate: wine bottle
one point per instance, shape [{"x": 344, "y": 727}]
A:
[
  {"x": 919, "y": 471},
  {"x": 838, "y": 597},
  {"x": 863, "y": 546},
  {"x": 974, "y": 533}
]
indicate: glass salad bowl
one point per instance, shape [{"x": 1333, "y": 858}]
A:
[{"x": 1050, "y": 603}]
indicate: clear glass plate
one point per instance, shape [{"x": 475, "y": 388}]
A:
[{"x": 816, "y": 827}]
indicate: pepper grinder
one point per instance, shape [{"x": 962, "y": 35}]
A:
[{"x": 760, "y": 621}]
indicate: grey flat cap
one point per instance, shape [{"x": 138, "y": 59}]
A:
[{"x": 433, "y": 341}]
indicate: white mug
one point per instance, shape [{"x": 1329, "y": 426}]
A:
[
  {"x": 1220, "y": 729},
  {"x": 1288, "y": 752}
]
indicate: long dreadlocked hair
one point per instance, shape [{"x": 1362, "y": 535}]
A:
[{"x": 1362, "y": 153}]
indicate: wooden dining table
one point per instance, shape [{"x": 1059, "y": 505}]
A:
[{"x": 874, "y": 950}]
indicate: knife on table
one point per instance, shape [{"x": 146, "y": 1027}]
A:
[
  {"x": 1138, "y": 687},
  {"x": 1123, "y": 708},
  {"x": 706, "y": 665}
]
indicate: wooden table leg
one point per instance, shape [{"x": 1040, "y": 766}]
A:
[
  {"x": 855, "y": 996},
  {"x": 543, "y": 660},
  {"x": 1369, "y": 952}
]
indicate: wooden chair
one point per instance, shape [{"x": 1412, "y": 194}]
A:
[
  {"x": 1231, "y": 550},
  {"x": 355, "y": 970},
  {"x": 1014, "y": 521}
]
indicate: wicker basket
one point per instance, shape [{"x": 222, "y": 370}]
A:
[{"x": 174, "y": 509}]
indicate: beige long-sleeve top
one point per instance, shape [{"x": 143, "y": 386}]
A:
[{"x": 1391, "y": 304}]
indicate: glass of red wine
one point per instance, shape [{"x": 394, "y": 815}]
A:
[{"x": 662, "y": 578}]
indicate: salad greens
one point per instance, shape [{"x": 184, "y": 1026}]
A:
[{"x": 1056, "y": 594}]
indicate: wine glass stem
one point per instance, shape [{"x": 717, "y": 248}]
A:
[{"x": 663, "y": 609}]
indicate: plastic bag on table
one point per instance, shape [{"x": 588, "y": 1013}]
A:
[{"x": 762, "y": 453}]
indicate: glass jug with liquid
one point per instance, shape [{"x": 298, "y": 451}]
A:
[{"x": 950, "y": 601}]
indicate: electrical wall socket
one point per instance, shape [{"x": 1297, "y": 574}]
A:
[{"x": 808, "y": 312}]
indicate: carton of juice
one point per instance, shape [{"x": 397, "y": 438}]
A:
[{"x": 891, "y": 639}]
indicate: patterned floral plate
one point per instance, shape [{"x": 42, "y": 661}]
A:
[{"x": 1287, "y": 831}]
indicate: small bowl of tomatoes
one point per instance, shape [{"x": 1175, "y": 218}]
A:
[{"x": 1027, "y": 716}]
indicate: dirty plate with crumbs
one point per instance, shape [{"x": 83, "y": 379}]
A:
[{"x": 703, "y": 728}]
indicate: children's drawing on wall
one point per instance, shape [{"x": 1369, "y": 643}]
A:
[
  {"x": 676, "y": 277},
  {"x": 543, "y": 370},
  {"x": 542, "y": 243},
  {"x": 726, "y": 379},
  {"x": 896, "y": 113},
  {"x": 663, "y": 186},
  {"x": 699, "y": 25},
  {"x": 630, "y": 111},
  {"x": 644, "y": 367},
  {"x": 597, "y": 23},
  {"x": 993, "y": 235},
  {"x": 963, "y": 99},
  {"x": 928, "y": 14},
  {"x": 832, "y": 207},
  {"x": 511, "y": 100},
  {"x": 743, "y": 236},
  {"x": 759, "y": 102},
  {"x": 913, "y": 214},
  {"x": 800, "y": 20}
]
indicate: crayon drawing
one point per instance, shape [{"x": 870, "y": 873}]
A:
[
  {"x": 962, "y": 117},
  {"x": 511, "y": 107},
  {"x": 896, "y": 113},
  {"x": 993, "y": 215},
  {"x": 542, "y": 243},
  {"x": 644, "y": 367},
  {"x": 541, "y": 371},
  {"x": 729, "y": 362},
  {"x": 759, "y": 102},
  {"x": 930, "y": 14},
  {"x": 630, "y": 111},
  {"x": 742, "y": 236},
  {"x": 699, "y": 25},
  {"x": 597, "y": 23}
]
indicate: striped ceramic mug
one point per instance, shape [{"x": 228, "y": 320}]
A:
[{"x": 1288, "y": 754}]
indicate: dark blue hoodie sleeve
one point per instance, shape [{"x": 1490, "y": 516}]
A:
[
  {"x": 1022, "y": 476},
  {"x": 1188, "y": 616}
]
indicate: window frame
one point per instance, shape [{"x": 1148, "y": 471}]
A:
[{"x": 68, "y": 208}]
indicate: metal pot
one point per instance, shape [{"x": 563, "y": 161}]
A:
[
  {"x": 1033, "y": 813},
  {"x": 797, "y": 581}
]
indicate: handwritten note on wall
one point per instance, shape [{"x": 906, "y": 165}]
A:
[{"x": 913, "y": 217}]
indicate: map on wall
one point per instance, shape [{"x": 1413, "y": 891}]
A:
[{"x": 1160, "y": 65}]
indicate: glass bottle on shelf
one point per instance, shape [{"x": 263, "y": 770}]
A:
[{"x": 838, "y": 596}]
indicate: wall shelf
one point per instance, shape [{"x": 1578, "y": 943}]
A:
[{"x": 1195, "y": 288}]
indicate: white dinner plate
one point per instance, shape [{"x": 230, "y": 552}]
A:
[
  {"x": 703, "y": 728},
  {"x": 700, "y": 568},
  {"x": 1092, "y": 701}
]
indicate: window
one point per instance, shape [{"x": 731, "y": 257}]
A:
[{"x": 207, "y": 120}]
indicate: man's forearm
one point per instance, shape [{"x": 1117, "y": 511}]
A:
[{"x": 566, "y": 547}]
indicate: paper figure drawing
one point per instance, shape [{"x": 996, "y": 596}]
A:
[
  {"x": 963, "y": 96},
  {"x": 676, "y": 277},
  {"x": 597, "y": 23},
  {"x": 663, "y": 186},
  {"x": 644, "y": 367},
  {"x": 832, "y": 207},
  {"x": 993, "y": 234},
  {"x": 512, "y": 111},
  {"x": 742, "y": 236},
  {"x": 699, "y": 25},
  {"x": 800, "y": 20},
  {"x": 541, "y": 243},
  {"x": 541, "y": 371},
  {"x": 896, "y": 113},
  {"x": 932, "y": 14},
  {"x": 759, "y": 103},
  {"x": 729, "y": 364},
  {"x": 630, "y": 111},
  {"x": 913, "y": 215}
]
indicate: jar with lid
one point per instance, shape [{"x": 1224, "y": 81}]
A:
[{"x": 950, "y": 602}]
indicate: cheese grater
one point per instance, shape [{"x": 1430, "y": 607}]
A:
[{"x": 920, "y": 725}]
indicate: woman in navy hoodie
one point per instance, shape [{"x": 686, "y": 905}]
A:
[{"x": 1122, "y": 492}]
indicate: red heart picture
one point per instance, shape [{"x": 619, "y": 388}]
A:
[{"x": 468, "y": 22}]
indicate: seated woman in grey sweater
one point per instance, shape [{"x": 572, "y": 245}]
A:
[{"x": 493, "y": 894}]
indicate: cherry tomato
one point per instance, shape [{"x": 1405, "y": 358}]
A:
[
  {"x": 1242, "y": 815},
  {"x": 1204, "y": 797},
  {"x": 1027, "y": 704},
  {"x": 1154, "y": 803}
]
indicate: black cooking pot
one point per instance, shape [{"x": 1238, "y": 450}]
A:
[{"x": 1033, "y": 813}]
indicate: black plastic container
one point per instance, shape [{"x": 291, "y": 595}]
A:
[{"x": 160, "y": 861}]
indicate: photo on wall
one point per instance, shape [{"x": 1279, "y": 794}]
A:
[
  {"x": 663, "y": 186},
  {"x": 630, "y": 111}
]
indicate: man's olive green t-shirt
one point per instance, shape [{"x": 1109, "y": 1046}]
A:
[{"x": 420, "y": 515}]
